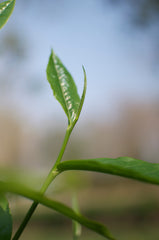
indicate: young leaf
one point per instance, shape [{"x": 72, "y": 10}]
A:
[
  {"x": 5, "y": 219},
  {"x": 57, "y": 206},
  {"x": 64, "y": 87},
  {"x": 6, "y": 9},
  {"x": 84, "y": 93},
  {"x": 122, "y": 166}
]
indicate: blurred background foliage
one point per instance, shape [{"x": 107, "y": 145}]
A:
[
  {"x": 142, "y": 13},
  {"x": 32, "y": 130}
]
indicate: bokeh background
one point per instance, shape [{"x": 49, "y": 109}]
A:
[{"x": 117, "y": 42}]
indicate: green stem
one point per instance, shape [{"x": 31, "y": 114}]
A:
[
  {"x": 51, "y": 176},
  {"x": 76, "y": 226},
  {"x": 25, "y": 221}
]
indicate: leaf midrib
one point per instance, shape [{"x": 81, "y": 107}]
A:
[{"x": 61, "y": 87}]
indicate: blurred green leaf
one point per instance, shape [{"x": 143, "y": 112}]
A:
[
  {"x": 122, "y": 166},
  {"x": 5, "y": 219},
  {"x": 57, "y": 206},
  {"x": 6, "y": 9},
  {"x": 64, "y": 88}
]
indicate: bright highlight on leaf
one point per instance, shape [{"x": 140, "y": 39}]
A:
[
  {"x": 6, "y": 9},
  {"x": 5, "y": 219},
  {"x": 64, "y": 88}
]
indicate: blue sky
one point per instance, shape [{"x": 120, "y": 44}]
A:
[{"x": 118, "y": 59}]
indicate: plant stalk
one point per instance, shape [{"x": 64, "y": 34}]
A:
[{"x": 51, "y": 176}]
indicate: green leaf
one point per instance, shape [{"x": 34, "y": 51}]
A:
[
  {"x": 57, "y": 206},
  {"x": 122, "y": 166},
  {"x": 64, "y": 88},
  {"x": 5, "y": 219},
  {"x": 6, "y": 9},
  {"x": 83, "y": 94}
]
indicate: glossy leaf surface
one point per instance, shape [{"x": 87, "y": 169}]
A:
[
  {"x": 5, "y": 219},
  {"x": 63, "y": 86},
  {"x": 57, "y": 206},
  {"x": 122, "y": 166},
  {"x": 6, "y": 9}
]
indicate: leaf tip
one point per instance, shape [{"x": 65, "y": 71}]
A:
[
  {"x": 52, "y": 52},
  {"x": 85, "y": 78}
]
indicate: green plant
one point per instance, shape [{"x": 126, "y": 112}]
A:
[{"x": 65, "y": 91}]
